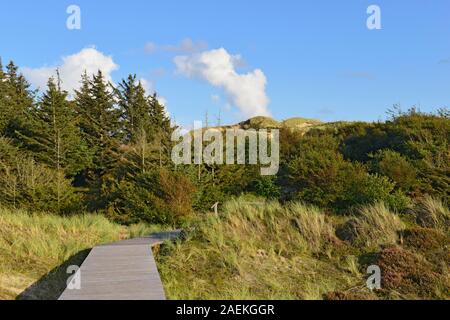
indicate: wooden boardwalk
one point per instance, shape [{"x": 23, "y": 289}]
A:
[{"x": 124, "y": 270}]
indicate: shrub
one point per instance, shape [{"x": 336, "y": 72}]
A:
[
  {"x": 396, "y": 167},
  {"x": 410, "y": 274},
  {"x": 265, "y": 187},
  {"x": 362, "y": 188},
  {"x": 321, "y": 176},
  {"x": 158, "y": 197},
  {"x": 33, "y": 186},
  {"x": 425, "y": 239},
  {"x": 317, "y": 175}
]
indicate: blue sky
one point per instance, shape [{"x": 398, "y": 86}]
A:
[{"x": 313, "y": 59}]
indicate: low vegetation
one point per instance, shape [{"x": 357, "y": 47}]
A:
[
  {"x": 257, "y": 249},
  {"x": 35, "y": 250}
]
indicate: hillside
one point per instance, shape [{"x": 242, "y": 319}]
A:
[
  {"x": 295, "y": 125},
  {"x": 258, "y": 249}
]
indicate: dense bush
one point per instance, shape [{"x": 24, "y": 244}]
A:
[
  {"x": 30, "y": 185},
  {"x": 320, "y": 175},
  {"x": 265, "y": 187},
  {"x": 421, "y": 139},
  {"x": 396, "y": 167},
  {"x": 159, "y": 196}
]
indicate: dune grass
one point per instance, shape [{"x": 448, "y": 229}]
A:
[
  {"x": 254, "y": 249},
  {"x": 376, "y": 225},
  {"x": 31, "y": 246},
  {"x": 254, "y": 252},
  {"x": 265, "y": 250},
  {"x": 433, "y": 213}
]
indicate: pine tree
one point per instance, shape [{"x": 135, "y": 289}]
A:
[
  {"x": 162, "y": 129},
  {"x": 99, "y": 120},
  {"x": 21, "y": 97},
  {"x": 52, "y": 133},
  {"x": 146, "y": 125},
  {"x": 135, "y": 107},
  {"x": 159, "y": 117},
  {"x": 2, "y": 73},
  {"x": 16, "y": 99},
  {"x": 3, "y": 106}
]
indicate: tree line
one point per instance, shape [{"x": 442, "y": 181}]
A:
[
  {"x": 107, "y": 148},
  {"x": 64, "y": 155}
]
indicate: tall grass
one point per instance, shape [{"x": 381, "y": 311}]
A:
[
  {"x": 254, "y": 251},
  {"x": 32, "y": 245},
  {"x": 312, "y": 225},
  {"x": 263, "y": 250},
  {"x": 432, "y": 213},
  {"x": 376, "y": 225}
]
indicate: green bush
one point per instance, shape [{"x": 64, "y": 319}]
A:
[
  {"x": 265, "y": 186},
  {"x": 35, "y": 187},
  {"x": 396, "y": 167},
  {"x": 315, "y": 175},
  {"x": 160, "y": 196},
  {"x": 323, "y": 177}
]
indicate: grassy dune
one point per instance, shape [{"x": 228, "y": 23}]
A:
[
  {"x": 41, "y": 246},
  {"x": 254, "y": 249},
  {"x": 270, "y": 251}
]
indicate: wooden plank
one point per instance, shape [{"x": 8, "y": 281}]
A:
[
  {"x": 153, "y": 239},
  {"x": 124, "y": 270}
]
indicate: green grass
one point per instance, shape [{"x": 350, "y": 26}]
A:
[
  {"x": 376, "y": 225},
  {"x": 254, "y": 249},
  {"x": 33, "y": 247},
  {"x": 273, "y": 251},
  {"x": 255, "y": 252}
]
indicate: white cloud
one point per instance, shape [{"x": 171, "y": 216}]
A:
[
  {"x": 245, "y": 91},
  {"x": 187, "y": 45},
  {"x": 71, "y": 68}
]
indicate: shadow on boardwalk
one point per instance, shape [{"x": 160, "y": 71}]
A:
[
  {"x": 132, "y": 258},
  {"x": 52, "y": 285}
]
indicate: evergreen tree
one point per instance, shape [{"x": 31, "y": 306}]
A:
[
  {"x": 99, "y": 120},
  {"x": 135, "y": 107},
  {"x": 163, "y": 128},
  {"x": 159, "y": 117},
  {"x": 146, "y": 125},
  {"x": 3, "y": 106},
  {"x": 52, "y": 133},
  {"x": 16, "y": 99}
]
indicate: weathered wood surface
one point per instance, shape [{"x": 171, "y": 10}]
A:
[{"x": 124, "y": 270}]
